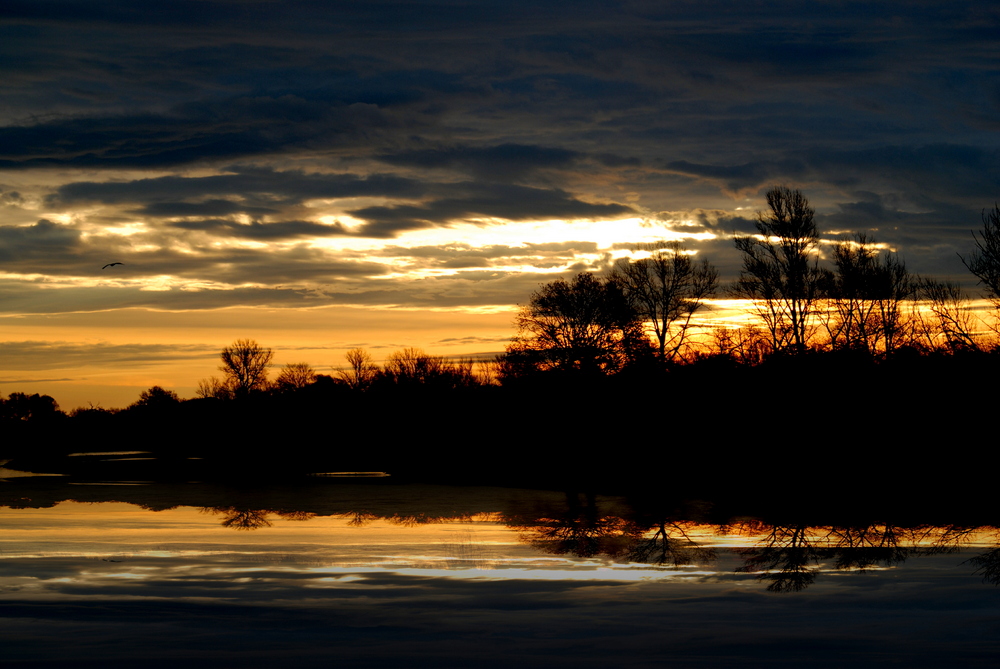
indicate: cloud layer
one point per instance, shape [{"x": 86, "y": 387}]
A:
[{"x": 252, "y": 153}]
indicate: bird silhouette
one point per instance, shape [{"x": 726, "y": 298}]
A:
[{"x": 112, "y": 264}]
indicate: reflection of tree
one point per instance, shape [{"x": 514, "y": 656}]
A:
[
  {"x": 583, "y": 537},
  {"x": 785, "y": 552},
  {"x": 669, "y": 544},
  {"x": 783, "y": 558},
  {"x": 580, "y": 529},
  {"x": 362, "y": 518},
  {"x": 787, "y": 556},
  {"x": 868, "y": 546},
  {"x": 987, "y": 565},
  {"x": 242, "y": 518}
]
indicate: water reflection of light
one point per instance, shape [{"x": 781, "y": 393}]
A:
[
  {"x": 563, "y": 570},
  {"x": 13, "y": 473},
  {"x": 75, "y": 455},
  {"x": 463, "y": 589}
]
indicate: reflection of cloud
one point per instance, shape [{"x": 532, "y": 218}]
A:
[
  {"x": 179, "y": 587},
  {"x": 387, "y": 618}
]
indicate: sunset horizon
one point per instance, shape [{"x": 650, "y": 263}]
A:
[{"x": 389, "y": 175}]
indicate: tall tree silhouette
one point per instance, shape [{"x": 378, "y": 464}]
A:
[
  {"x": 778, "y": 273},
  {"x": 984, "y": 262},
  {"x": 666, "y": 289},
  {"x": 245, "y": 366},
  {"x": 955, "y": 323},
  {"x": 585, "y": 324},
  {"x": 866, "y": 294},
  {"x": 363, "y": 369}
]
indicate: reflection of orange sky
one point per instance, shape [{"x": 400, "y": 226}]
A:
[
  {"x": 117, "y": 533},
  {"x": 118, "y": 540},
  {"x": 123, "y": 528},
  {"x": 110, "y": 522}
]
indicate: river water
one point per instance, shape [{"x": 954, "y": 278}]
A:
[{"x": 378, "y": 575}]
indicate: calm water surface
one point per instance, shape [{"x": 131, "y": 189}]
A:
[{"x": 380, "y": 577}]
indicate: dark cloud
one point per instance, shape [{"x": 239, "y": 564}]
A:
[
  {"x": 257, "y": 187},
  {"x": 494, "y": 163},
  {"x": 739, "y": 177},
  {"x": 11, "y": 198},
  {"x": 464, "y": 256},
  {"x": 42, "y": 241},
  {"x": 258, "y": 184},
  {"x": 197, "y": 131},
  {"x": 478, "y": 200},
  {"x": 205, "y": 208},
  {"x": 264, "y": 231},
  {"x": 214, "y": 124},
  {"x": 616, "y": 161},
  {"x": 942, "y": 173}
]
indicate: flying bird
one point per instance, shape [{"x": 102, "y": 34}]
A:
[{"x": 112, "y": 264}]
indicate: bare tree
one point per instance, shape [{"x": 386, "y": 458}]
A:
[
  {"x": 784, "y": 556},
  {"x": 866, "y": 296},
  {"x": 487, "y": 372},
  {"x": 954, "y": 320},
  {"x": 777, "y": 273},
  {"x": 362, "y": 371},
  {"x": 985, "y": 260},
  {"x": 413, "y": 366},
  {"x": 245, "y": 366},
  {"x": 666, "y": 289},
  {"x": 213, "y": 386},
  {"x": 294, "y": 376},
  {"x": 746, "y": 345}
]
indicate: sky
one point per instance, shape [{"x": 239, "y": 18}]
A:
[{"x": 320, "y": 176}]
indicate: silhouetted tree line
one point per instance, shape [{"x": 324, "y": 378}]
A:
[
  {"x": 868, "y": 302},
  {"x": 610, "y": 378}
]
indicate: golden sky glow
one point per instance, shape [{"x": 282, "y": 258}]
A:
[{"x": 291, "y": 185}]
